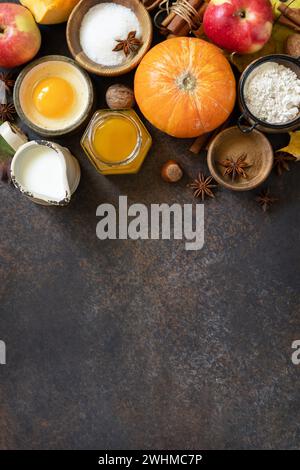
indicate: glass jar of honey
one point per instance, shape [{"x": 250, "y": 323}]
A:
[{"x": 116, "y": 142}]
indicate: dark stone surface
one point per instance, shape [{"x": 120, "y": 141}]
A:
[{"x": 123, "y": 344}]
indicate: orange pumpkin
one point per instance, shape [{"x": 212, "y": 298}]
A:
[{"x": 185, "y": 87}]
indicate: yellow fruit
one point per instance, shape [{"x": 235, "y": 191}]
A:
[
  {"x": 50, "y": 11},
  {"x": 276, "y": 3}
]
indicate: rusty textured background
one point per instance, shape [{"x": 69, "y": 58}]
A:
[{"x": 123, "y": 344}]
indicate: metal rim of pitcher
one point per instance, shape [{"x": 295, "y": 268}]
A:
[{"x": 246, "y": 114}]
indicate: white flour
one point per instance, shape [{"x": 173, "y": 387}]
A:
[{"x": 272, "y": 93}]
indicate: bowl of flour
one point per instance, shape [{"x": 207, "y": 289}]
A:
[{"x": 269, "y": 94}]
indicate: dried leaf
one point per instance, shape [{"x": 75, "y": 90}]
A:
[
  {"x": 276, "y": 45},
  {"x": 293, "y": 148}
]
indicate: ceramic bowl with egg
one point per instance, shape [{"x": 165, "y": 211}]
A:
[
  {"x": 76, "y": 20},
  {"x": 53, "y": 96}
]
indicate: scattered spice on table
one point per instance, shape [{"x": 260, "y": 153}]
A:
[
  {"x": 282, "y": 160},
  {"x": 266, "y": 200},
  {"x": 236, "y": 167},
  {"x": 202, "y": 186},
  {"x": 109, "y": 33},
  {"x": 7, "y": 112}
]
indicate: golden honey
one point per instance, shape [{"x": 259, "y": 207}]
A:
[{"x": 116, "y": 141}]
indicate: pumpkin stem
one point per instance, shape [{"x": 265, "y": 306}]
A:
[{"x": 186, "y": 82}]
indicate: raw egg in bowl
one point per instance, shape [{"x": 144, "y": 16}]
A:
[{"x": 53, "y": 96}]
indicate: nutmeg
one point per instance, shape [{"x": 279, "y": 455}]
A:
[
  {"x": 292, "y": 45},
  {"x": 120, "y": 97},
  {"x": 171, "y": 172}
]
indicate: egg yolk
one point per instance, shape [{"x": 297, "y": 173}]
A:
[{"x": 53, "y": 97}]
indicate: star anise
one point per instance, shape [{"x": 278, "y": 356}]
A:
[
  {"x": 7, "y": 112},
  {"x": 202, "y": 186},
  {"x": 7, "y": 79},
  {"x": 130, "y": 44},
  {"x": 281, "y": 161},
  {"x": 236, "y": 167},
  {"x": 265, "y": 199}
]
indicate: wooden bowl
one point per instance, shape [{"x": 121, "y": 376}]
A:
[
  {"x": 73, "y": 37},
  {"x": 232, "y": 143}
]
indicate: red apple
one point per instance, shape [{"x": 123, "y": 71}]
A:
[
  {"x": 242, "y": 26},
  {"x": 20, "y": 38}
]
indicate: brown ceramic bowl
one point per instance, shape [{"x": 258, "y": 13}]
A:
[
  {"x": 232, "y": 143},
  {"x": 73, "y": 37}
]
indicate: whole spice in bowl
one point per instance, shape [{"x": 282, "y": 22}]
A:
[
  {"x": 120, "y": 97},
  {"x": 235, "y": 167},
  {"x": 108, "y": 28},
  {"x": 238, "y": 161},
  {"x": 109, "y": 38},
  {"x": 129, "y": 45}
]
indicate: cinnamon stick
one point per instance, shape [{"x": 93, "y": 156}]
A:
[
  {"x": 165, "y": 23},
  {"x": 201, "y": 11},
  {"x": 199, "y": 142},
  {"x": 198, "y": 32},
  {"x": 290, "y": 13},
  {"x": 179, "y": 25},
  {"x": 151, "y": 4},
  {"x": 286, "y": 22}
]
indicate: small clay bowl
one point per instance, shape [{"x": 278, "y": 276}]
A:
[
  {"x": 42, "y": 68},
  {"x": 73, "y": 37},
  {"x": 232, "y": 143}
]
